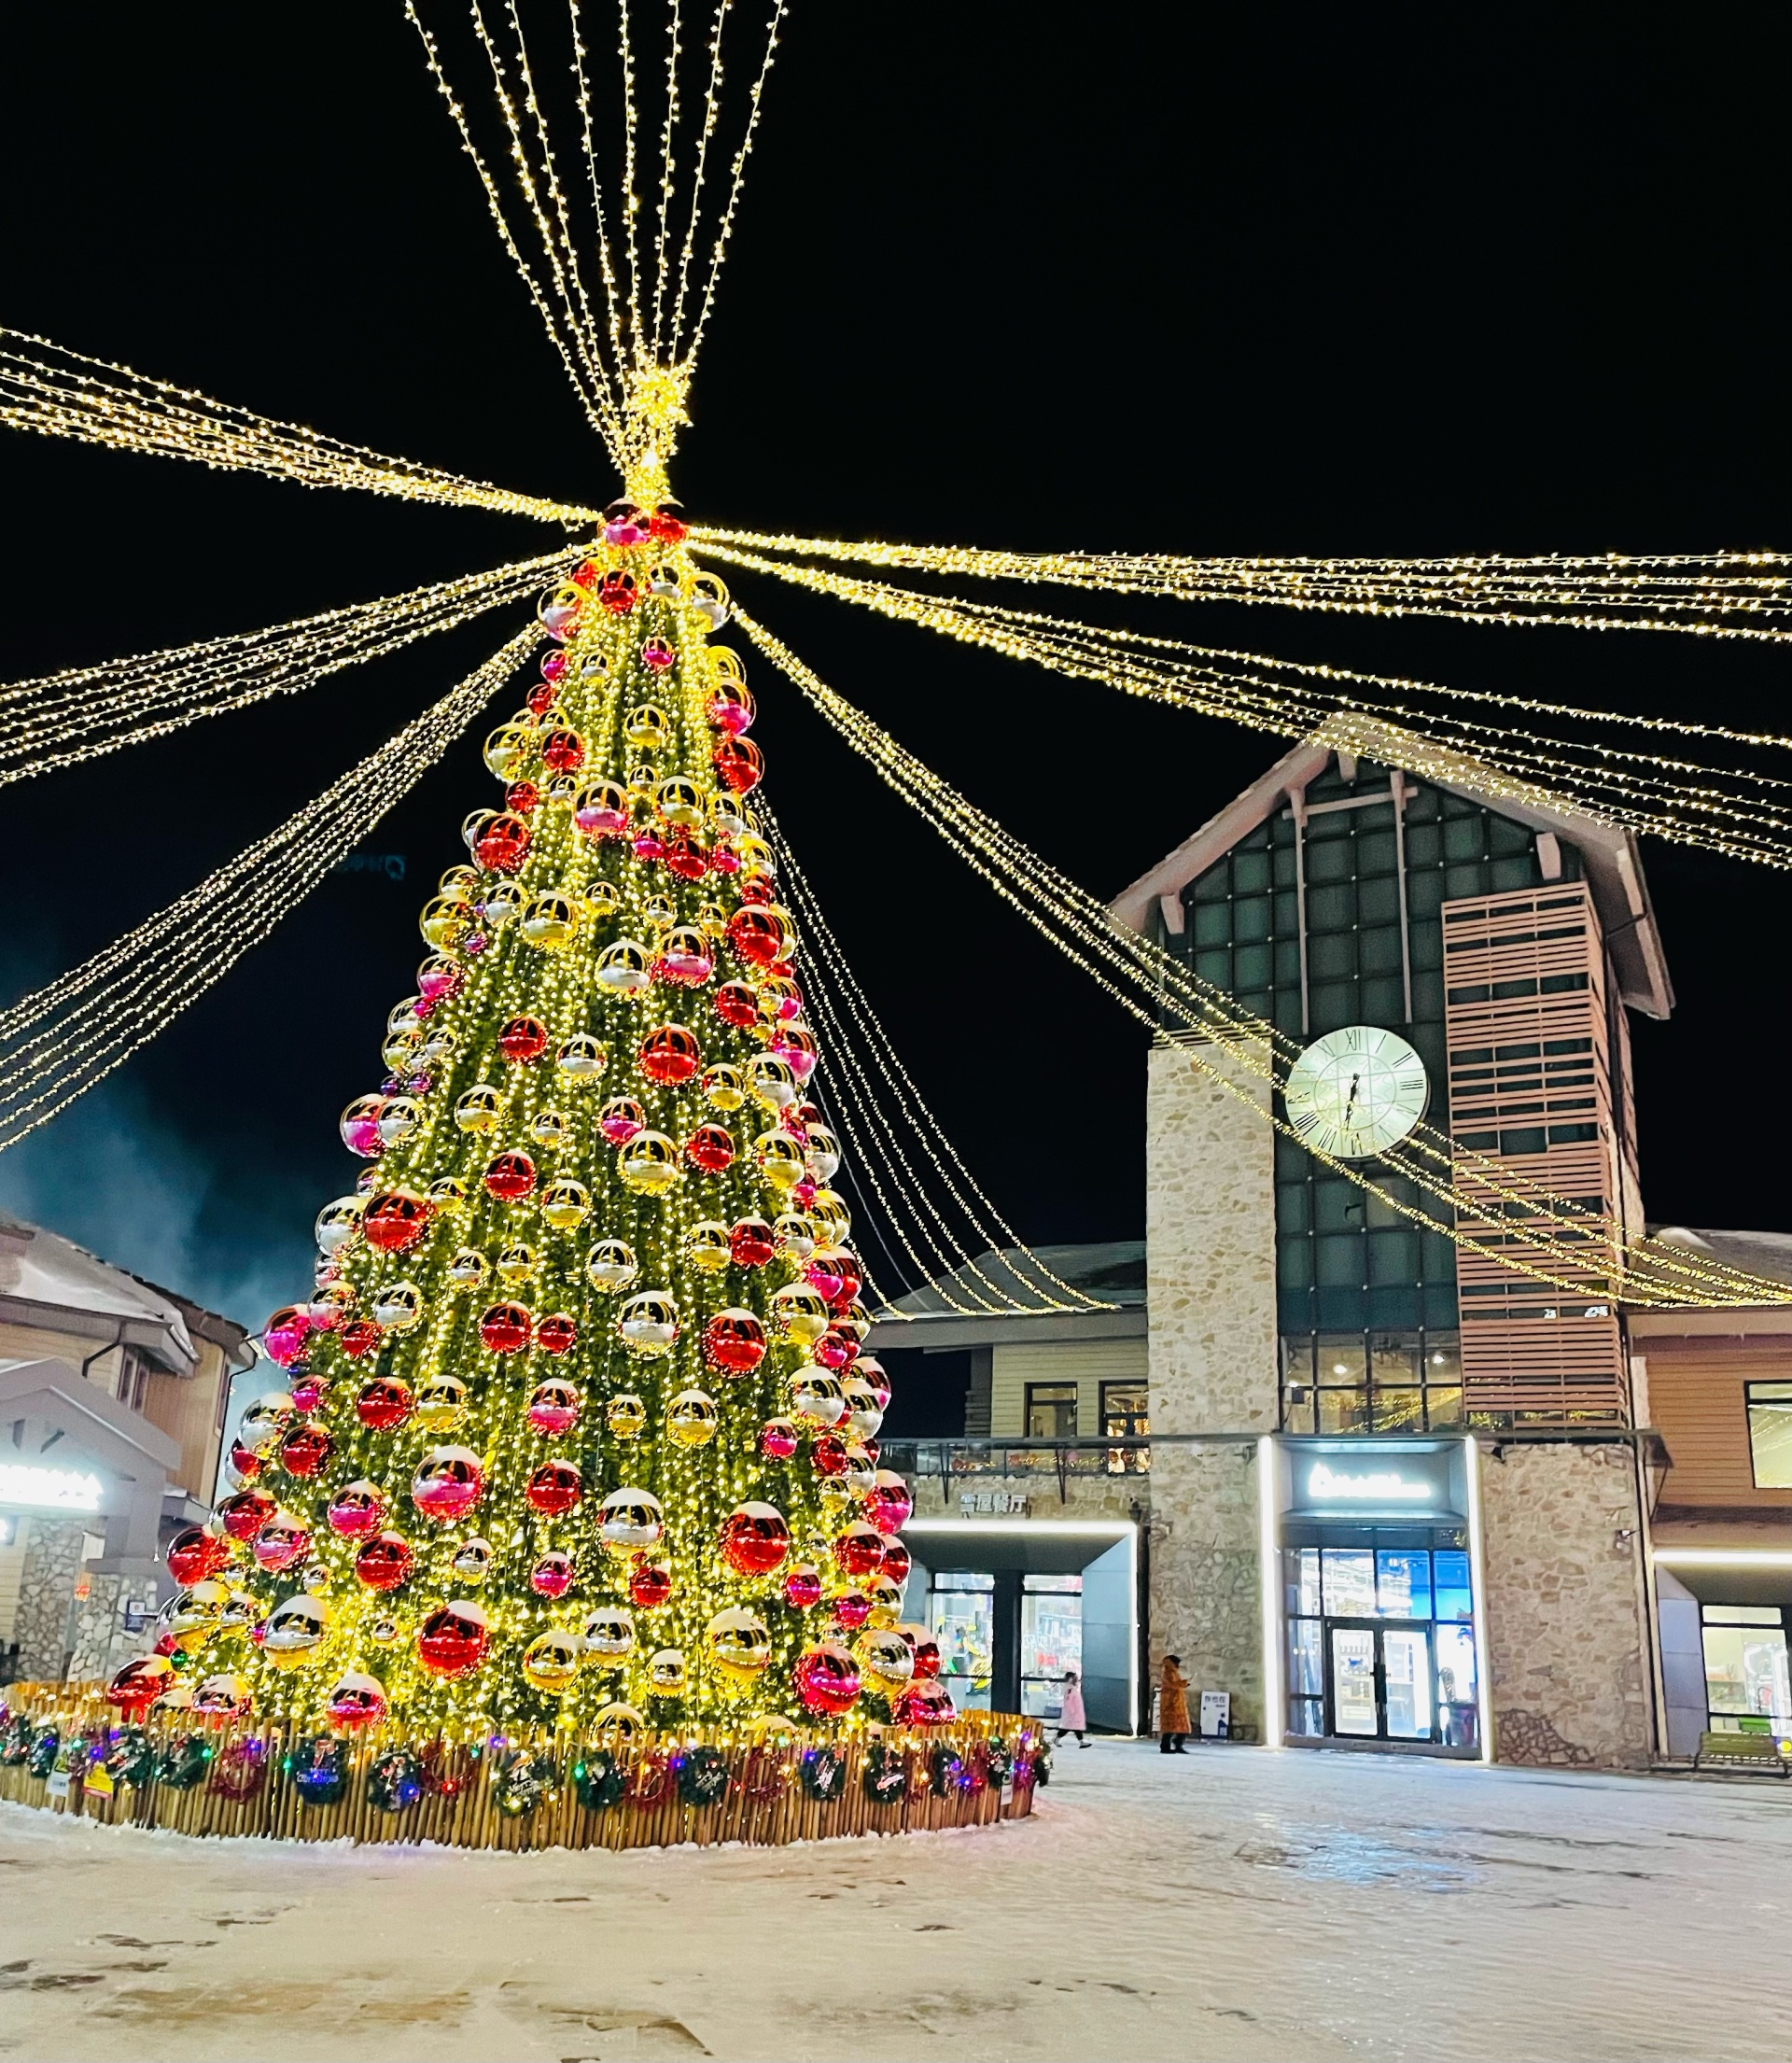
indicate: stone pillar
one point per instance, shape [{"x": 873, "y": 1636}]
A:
[
  {"x": 103, "y": 1642},
  {"x": 47, "y": 1597},
  {"x": 1210, "y": 1276},
  {"x": 1566, "y": 1605}
]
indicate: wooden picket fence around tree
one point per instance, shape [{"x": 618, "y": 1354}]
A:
[{"x": 249, "y": 1787}]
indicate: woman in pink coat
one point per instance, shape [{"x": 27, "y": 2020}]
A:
[{"x": 1071, "y": 1720}]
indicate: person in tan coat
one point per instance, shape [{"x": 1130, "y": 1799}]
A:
[{"x": 1172, "y": 1707}]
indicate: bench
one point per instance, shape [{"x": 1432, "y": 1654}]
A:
[{"x": 1740, "y": 1752}]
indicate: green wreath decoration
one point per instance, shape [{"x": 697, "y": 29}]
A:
[
  {"x": 524, "y": 1780},
  {"x": 132, "y": 1759},
  {"x": 597, "y": 1780},
  {"x": 1039, "y": 1770},
  {"x": 14, "y": 1742},
  {"x": 182, "y": 1765},
  {"x": 41, "y": 1757},
  {"x": 944, "y": 1770},
  {"x": 998, "y": 1758},
  {"x": 824, "y": 1774},
  {"x": 702, "y": 1776},
  {"x": 319, "y": 1769},
  {"x": 886, "y": 1777},
  {"x": 394, "y": 1781}
]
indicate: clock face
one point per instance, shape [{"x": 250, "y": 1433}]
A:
[{"x": 1356, "y": 1092}]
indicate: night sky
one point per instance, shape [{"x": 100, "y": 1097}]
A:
[{"x": 1260, "y": 280}]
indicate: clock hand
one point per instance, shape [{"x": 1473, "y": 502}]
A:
[{"x": 1349, "y": 1102}]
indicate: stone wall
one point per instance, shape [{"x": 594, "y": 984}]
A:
[
  {"x": 1566, "y": 1606},
  {"x": 1210, "y": 1274},
  {"x": 1206, "y": 1574},
  {"x": 47, "y": 1597},
  {"x": 1210, "y": 1249}
]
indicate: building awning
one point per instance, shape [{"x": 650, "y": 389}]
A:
[
  {"x": 1040, "y": 1547},
  {"x": 69, "y": 1451},
  {"x": 1726, "y": 1557}
]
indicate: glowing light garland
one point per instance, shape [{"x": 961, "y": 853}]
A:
[
  {"x": 82, "y": 712},
  {"x": 1556, "y": 1241},
  {"x": 1697, "y": 593},
  {"x": 624, "y": 349},
  {"x": 1647, "y": 793},
  {"x": 60, "y": 393},
  {"x": 863, "y": 1112},
  {"x": 60, "y": 1040}
]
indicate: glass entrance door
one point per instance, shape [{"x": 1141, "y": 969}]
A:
[
  {"x": 1382, "y": 1686},
  {"x": 1355, "y": 1706}
]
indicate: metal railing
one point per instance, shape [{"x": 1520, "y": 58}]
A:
[{"x": 956, "y": 1464}]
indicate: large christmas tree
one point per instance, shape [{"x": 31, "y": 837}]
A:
[{"x": 577, "y": 1428}]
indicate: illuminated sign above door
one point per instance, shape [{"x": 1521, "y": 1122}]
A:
[
  {"x": 1374, "y": 1479},
  {"x": 1328, "y": 1485},
  {"x": 49, "y": 1489}
]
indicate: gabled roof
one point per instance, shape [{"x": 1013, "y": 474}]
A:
[
  {"x": 954, "y": 1311},
  {"x": 1613, "y": 868},
  {"x": 46, "y": 1280}
]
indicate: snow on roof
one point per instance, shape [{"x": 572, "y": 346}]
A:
[
  {"x": 1767, "y": 1253},
  {"x": 41, "y": 1273}
]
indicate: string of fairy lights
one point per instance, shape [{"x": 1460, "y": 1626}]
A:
[
  {"x": 628, "y": 340},
  {"x": 625, "y": 344},
  {"x": 1562, "y": 1243},
  {"x": 83, "y": 713},
  {"x": 1735, "y": 811},
  {"x": 1744, "y": 595},
  {"x": 853, "y": 1044},
  {"x": 60, "y": 1040}
]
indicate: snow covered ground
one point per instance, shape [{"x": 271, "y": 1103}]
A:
[{"x": 1233, "y": 1904}]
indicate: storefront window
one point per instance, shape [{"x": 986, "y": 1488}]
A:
[
  {"x": 1390, "y": 1382},
  {"x": 1051, "y": 1641},
  {"x": 1126, "y": 1415},
  {"x": 1746, "y": 1678},
  {"x": 1380, "y": 1643},
  {"x": 960, "y": 1618},
  {"x": 1051, "y": 1411},
  {"x": 1770, "y": 1433}
]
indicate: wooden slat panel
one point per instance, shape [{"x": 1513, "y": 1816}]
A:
[
  {"x": 1529, "y": 1346},
  {"x": 1696, "y": 1399}
]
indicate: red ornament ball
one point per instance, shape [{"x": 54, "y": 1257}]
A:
[
  {"x": 618, "y": 593},
  {"x": 563, "y": 751},
  {"x": 852, "y": 1609},
  {"x": 453, "y": 1640},
  {"x": 244, "y": 1515},
  {"x": 523, "y": 1039},
  {"x": 245, "y": 1464},
  {"x": 670, "y": 1055},
  {"x": 281, "y": 1542},
  {"x": 828, "y": 1455},
  {"x": 140, "y": 1683},
  {"x": 361, "y": 1339},
  {"x": 195, "y": 1555},
  {"x": 305, "y": 1450},
  {"x": 557, "y": 1486},
  {"x": 860, "y": 1550},
  {"x": 385, "y": 1562},
  {"x": 395, "y": 1220},
  {"x": 778, "y": 1438},
  {"x": 505, "y": 1328},
  {"x": 386, "y": 1402},
  {"x": 740, "y": 762},
  {"x": 737, "y": 1004},
  {"x": 554, "y": 1407},
  {"x": 751, "y": 1244},
  {"x": 664, "y": 527},
  {"x": 510, "y": 1176},
  {"x": 757, "y": 936},
  {"x": 834, "y": 1349},
  {"x": 711, "y": 1148},
  {"x": 522, "y": 798},
  {"x": 503, "y": 844},
  {"x": 890, "y": 1504},
  {"x": 650, "y": 1583},
  {"x": 734, "y": 1341},
  {"x": 803, "y": 1587},
  {"x": 826, "y": 1680},
  {"x": 754, "y": 1539},
  {"x": 556, "y": 1333},
  {"x": 925, "y": 1703},
  {"x": 897, "y": 1562},
  {"x": 356, "y": 1508},
  {"x": 448, "y": 1484}
]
